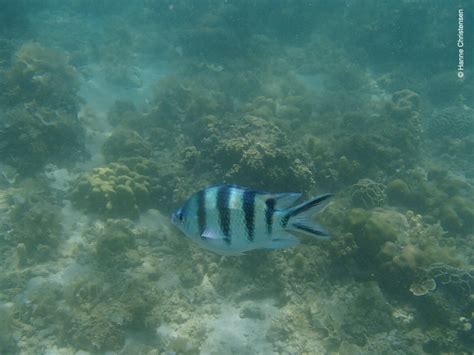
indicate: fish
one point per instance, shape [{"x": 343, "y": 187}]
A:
[{"x": 231, "y": 219}]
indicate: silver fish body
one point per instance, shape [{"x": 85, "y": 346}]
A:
[{"x": 231, "y": 219}]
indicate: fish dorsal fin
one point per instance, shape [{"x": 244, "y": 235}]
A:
[{"x": 283, "y": 200}]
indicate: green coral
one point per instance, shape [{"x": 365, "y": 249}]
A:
[
  {"x": 458, "y": 280},
  {"x": 123, "y": 113},
  {"x": 211, "y": 39},
  {"x": 455, "y": 122},
  {"x": 179, "y": 105},
  {"x": 287, "y": 109},
  {"x": 398, "y": 192},
  {"x": 99, "y": 331},
  {"x": 386, "y": 249},
  {"x": 112, "y": 191},
  {"x": 393, "y": 140},
  {"x": 371, "y": 230},
  {"x": 404, "y": 122},
  {"x": 457, "y": 214},
  {"x": 116, "y": 246},
  {"x": 36, "y": 229},
  {"x": 129, "y": 186},
  {"x": 41, "y": 124},
  {"x": 124, "y": 143},
  {"x": 7, "y": 341},
  {"x": 102, "y": 306},
  {"x": 42, "y": 75},
  {"x": 254, "y": 150},
  {"x": 363, "y": 307},
  {"x": 39, "y": 302},
  {"x": 367, "y": 193},
  {"x": 36, "y": 135}
]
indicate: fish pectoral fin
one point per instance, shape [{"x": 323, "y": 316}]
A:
[
  {"x": 209, "y": 234},
  {"x": 282, "y": 241}
]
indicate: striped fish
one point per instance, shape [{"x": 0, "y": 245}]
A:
[{"x": 231, "y": 219}]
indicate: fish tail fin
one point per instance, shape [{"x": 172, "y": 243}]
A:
[{"x": 299, "y": 218}]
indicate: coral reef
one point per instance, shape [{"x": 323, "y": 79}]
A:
[
  {"x": 116, "y": 246},
  {"x": 34, "y": 136},
  {"x": 113, "y": 191},
  {"x": 180, "y": 104},
  {"x": 367, "y": 193},
  {"x": 7, "y": 340},
  {"x": 455, "y": 122},
  {"x": 422, "y": 287},
  {"x": 458, "y": 280},
  {"x": 404, "y": 117},
  {"x": 393, "y": 141},
  {"x": 457, "y": 214},
  {"x": 125, "y": 143},
  {"x": 40, "y": 124},
  {"x": 42, "y": 75},
  {"x": 254, "y": 150},
  {"x": 130, "y": 186},
  {"x": 331, "y": 317},
  {"x": 36, "y": 229},
  {"x": 398, "y": 192},
  {"x": 123, "y": 113},
  {"x": 373, "y": 229}
]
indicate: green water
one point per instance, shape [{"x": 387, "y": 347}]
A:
[{"x": 112, "y": 113}]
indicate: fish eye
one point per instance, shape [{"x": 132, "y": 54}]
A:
[{"x": 180, "y": 217}]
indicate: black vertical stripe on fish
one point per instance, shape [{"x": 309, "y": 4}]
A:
[
  {"x": 222, "y": 204},
  {"x": 248, "y": 206},
  {"x": 201, "y": 211},
  {"x": 269, "y": 214}
]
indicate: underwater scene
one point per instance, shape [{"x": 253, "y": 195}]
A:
[{"x": 236, "y": 177}]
